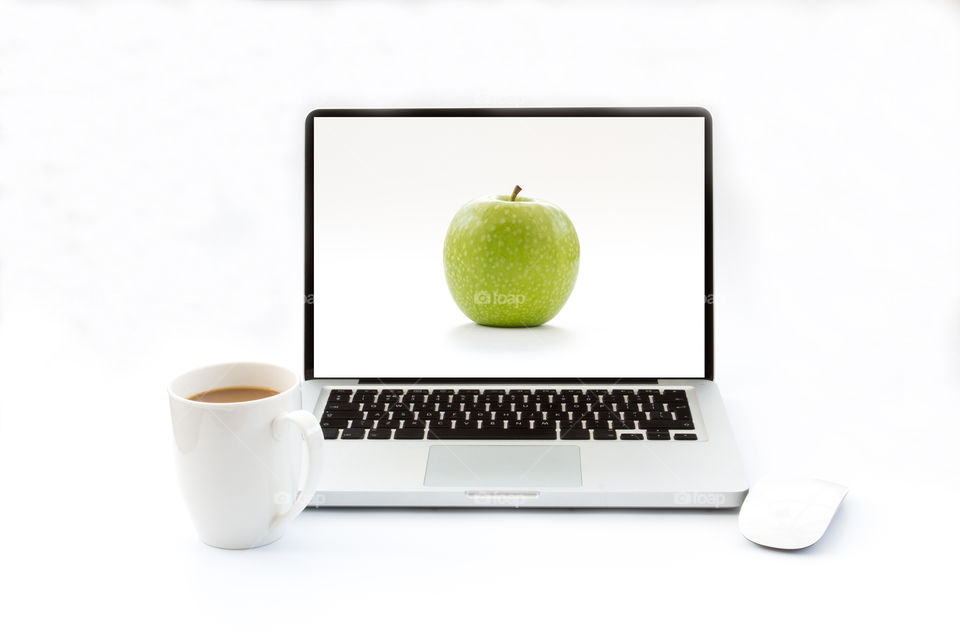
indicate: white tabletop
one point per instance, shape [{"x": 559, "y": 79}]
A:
[{"x": 151, "y": 204}]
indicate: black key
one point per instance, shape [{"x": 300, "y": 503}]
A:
[
  {"x": 428, "y": 414},
  {"x": 545, "y": 423},
  {"x": 379, "y": 434},
  {"x": 631, "y": 436},
  {"x": 684, "y": 436},
  {"x": 352, "y": 434},
  {"x": 658, "y": 435},
  {"x": 683, "y": 414},
  {"x": 330, "y": 433},
  {"x": 604, "y": 434},
  {"x": 530, "y": 434},
  {"x": 334, "y": 423},
  {"x": 492, "y": 434},
  {"x": 339, "y": 395},
  {"x": 660, "y": 425},
  {"x": 361, "y": 424},
  {"x": 573, "y": 426},
  {"x": 575, "y": 434},
  {"x": 413, "y": 424},
  {"x": 441, "y": 423},
  {"x": 384, "y": 423},
  {"x": 682, "y": 424},
  {"x": 341, "y": 415},
  {"x": 409, "y": 434},
  {"x": 342, "y": 406}
]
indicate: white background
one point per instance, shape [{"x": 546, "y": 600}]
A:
[
  {"x": 386, "y": 191},
  {"x": 150, "y": 194}
]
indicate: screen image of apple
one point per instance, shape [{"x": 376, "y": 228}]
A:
[{"x": 502, "y": 247}]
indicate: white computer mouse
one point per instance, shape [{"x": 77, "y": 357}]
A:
[{"x": 789, "y": 513}]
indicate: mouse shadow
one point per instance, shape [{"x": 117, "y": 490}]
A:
[{"x": 475, "y": 337}]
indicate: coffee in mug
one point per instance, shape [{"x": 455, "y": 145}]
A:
[{"x": 233, "y": 394}]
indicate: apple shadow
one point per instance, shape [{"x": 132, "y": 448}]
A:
[{"x": 477, "y": 337}]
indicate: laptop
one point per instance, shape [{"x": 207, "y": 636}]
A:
[{"x": 514, "y": 307}]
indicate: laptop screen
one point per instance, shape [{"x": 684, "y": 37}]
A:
[{"x": 428, "y": 262}]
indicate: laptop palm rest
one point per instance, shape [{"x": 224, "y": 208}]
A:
[{"x": 515, "y": 466}]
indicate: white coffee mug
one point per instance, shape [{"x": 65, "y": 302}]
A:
[{"x": 241, "y": 463}]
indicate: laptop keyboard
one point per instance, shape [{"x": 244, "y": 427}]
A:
[{"x": 507, "y": 414}]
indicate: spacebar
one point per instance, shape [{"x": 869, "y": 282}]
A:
[{"x": 492, "y": 434}]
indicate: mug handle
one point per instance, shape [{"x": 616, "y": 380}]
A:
[{"x": 307, "y": 423}]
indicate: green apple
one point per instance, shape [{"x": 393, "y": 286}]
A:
[{"x": 509, "y": 261}]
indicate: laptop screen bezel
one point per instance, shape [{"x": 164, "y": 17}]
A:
[{"x": 614, "y": 112}]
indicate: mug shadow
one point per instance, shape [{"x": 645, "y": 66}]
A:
[{"x": 475, "y": 337}]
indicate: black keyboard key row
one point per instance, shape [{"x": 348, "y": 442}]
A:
[
  {"x": 513, "y": 421},
  {"x": 493, "y": 434}
]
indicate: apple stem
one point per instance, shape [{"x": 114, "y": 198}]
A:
[{"x": 517, "y": 189}]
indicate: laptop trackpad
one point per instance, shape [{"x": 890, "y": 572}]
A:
[{"x": 515, "y": 466}]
